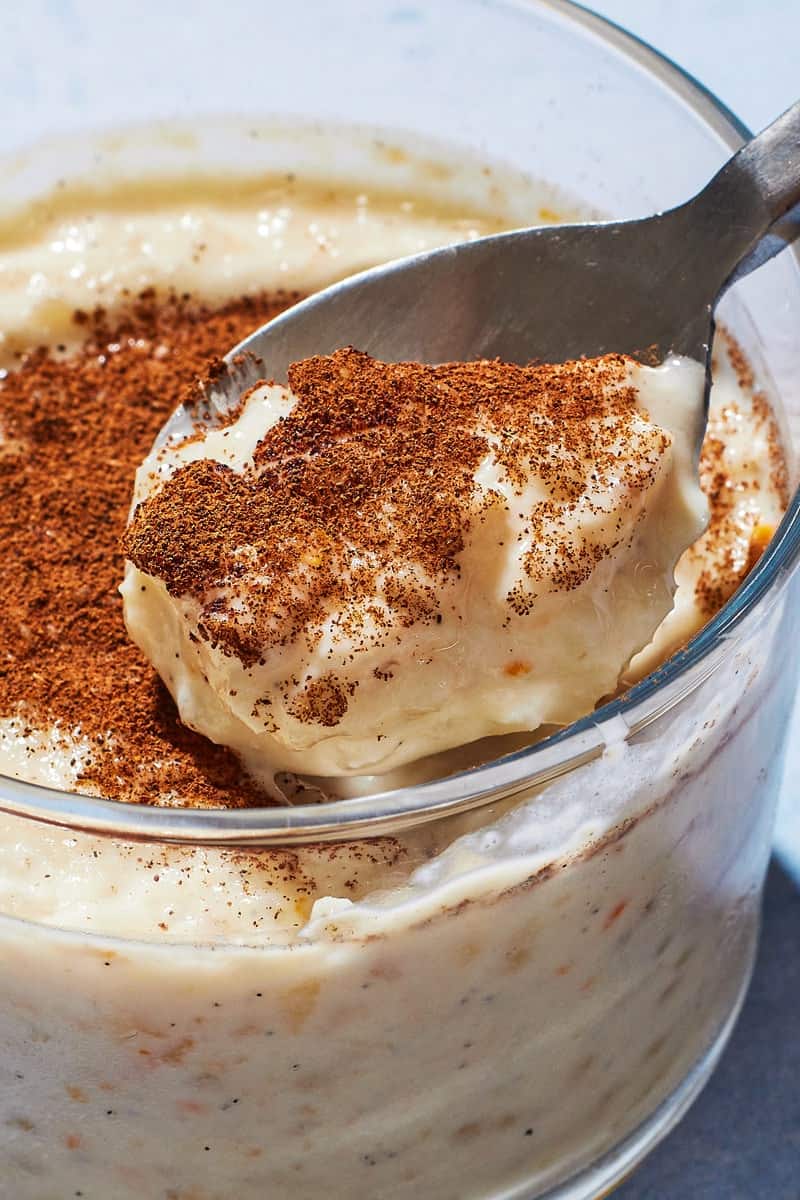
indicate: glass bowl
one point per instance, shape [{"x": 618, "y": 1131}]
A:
[{"x": 529, "y": 1005}]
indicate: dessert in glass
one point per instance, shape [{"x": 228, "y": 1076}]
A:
[{"x": 510, "y": 975}]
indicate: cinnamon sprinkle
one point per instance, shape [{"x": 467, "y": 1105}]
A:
[
  {"x": 366, "y": 491},
  {"x": 74, "y": 430},
  {"x": 724, "y": 562}
]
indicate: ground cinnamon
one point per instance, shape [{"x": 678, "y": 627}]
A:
[
  {"x": 73, "y": 430},
  {"x": 366, "y": 491}
]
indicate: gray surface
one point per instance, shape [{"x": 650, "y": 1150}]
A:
[{"x": 741, "y": 1140}]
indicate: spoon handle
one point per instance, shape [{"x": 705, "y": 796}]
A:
[
  {"x": 771, "y": 162},
  {"x": 746, "y": 210}
]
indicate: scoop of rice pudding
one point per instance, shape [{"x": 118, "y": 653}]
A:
[
  {"x": 382, "y": 561},
  {"x": 490, "y": 999}
]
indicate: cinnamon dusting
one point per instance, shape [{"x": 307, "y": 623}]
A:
[
  {"x": 76, "y": 430},
  {"x": 360, "y": 501},
  {"x": 736, "y": 537}
]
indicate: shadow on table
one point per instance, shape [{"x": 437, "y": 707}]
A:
[{"x": 741, "y": 1140}]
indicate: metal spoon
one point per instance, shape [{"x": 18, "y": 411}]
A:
[{"x": 646, "y": 287}]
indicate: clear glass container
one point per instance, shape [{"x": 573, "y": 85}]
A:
[{"x": 552, "y": 954}]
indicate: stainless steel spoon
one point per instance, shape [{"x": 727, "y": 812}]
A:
[{"x": 646, "y": 287}]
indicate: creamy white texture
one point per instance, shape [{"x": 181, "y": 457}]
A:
[
  {"x": 231, "y": 209},
  {"x": 290, "y": 242},
  {"x": 487, "y": 666}
]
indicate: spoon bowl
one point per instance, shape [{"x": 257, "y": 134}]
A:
[{"x": 647, "y": 288}]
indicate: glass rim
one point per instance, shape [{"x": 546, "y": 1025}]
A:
[{"x": 385, "y": 813}]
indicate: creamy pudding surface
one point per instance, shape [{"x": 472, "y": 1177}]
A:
[
  {"x": 486, "y": 1001},
  {"x": 382, "y": 561}
]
